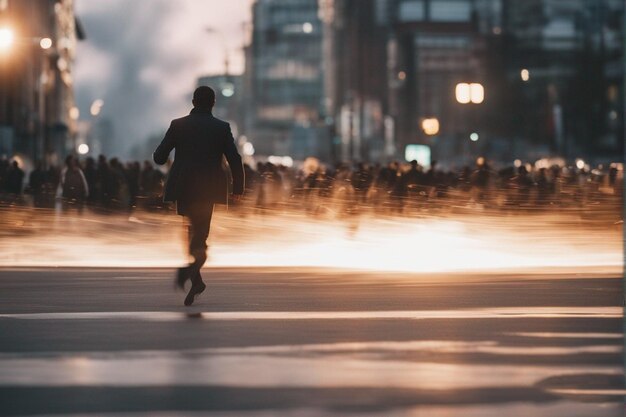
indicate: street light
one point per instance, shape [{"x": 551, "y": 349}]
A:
[
  {"x": 462, "y": 93},
  {"x": 7, "y": 37},
  {"x": 228, "y": 90},
  {"x": 83, "y": 149},
  {"x": 525, "y": 75},
  {"x": 477, "y": 93},
  {"x": 96, "y": 107},
  {"x": 74, "y": 113},
  {"x": 45, "y": 43},
  {"x": 430, "y": 126},
  {"x": 470, "y": 93}
]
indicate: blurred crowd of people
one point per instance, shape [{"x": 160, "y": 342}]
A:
[
  {"x": 104, "y": 183},
  {"x": 409, "y": 188},
  {"x": 395, "y": 188}
]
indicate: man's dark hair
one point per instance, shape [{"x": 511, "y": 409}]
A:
[{"x": 204, "y": 97}]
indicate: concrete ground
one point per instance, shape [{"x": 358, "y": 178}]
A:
[{"x": 310, "y": 342}]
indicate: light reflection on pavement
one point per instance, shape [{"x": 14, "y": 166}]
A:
[{"x": 441, "y": 244}]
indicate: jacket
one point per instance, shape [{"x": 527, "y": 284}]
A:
[{"x": 198, "y": 174}]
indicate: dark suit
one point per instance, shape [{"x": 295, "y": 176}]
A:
[{"x": 198, "y": 179}]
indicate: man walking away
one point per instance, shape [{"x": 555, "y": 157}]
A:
[{"x": 197, "y": 179}]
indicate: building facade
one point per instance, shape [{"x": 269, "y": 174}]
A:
[
  {"x": 359, "y": 79},
  {"x": 571, "y": 52},
  {"x": 37, "y": 110},
  {"x": 286, "y": 78},
  {"x": 434, "y": 45},
  {"x": 355, "y": 42}
]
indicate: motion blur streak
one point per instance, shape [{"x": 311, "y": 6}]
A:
[{"x": 35, "y": 237}]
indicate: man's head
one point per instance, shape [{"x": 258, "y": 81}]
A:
[{"x": 204, "y": 97}]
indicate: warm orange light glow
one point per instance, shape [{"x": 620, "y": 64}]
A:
[
  {"x": 470, "y": 93},
  {"x": 444, "y": 244},
  {"x": 74, "y": 113},
  {"x": 525, "y": 74},
  {"x": 430, "y": 126},
  {"x": 7, "y": 37},
  {"x": 463, "y": 93},
  {"x": 45, "y": 43},
  {"x": 477, "y": 93}
]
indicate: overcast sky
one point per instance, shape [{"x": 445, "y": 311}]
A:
[{"x": 142, "y": 57}]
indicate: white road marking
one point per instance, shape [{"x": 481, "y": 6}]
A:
[{"x": 502, "y": 312}]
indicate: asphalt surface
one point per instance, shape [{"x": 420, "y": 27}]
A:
[{"x": 310, "y": 342}]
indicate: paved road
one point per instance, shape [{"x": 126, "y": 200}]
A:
[{"x": 267, "y": 342}]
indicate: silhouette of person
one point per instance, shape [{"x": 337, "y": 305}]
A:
[
  {"x": 37, "y": 182},
  {"x": 197, "y": 179},
  {"x": 15, "y": 179},
  {"x": 73, "y": 184}
]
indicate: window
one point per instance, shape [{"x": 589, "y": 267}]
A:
[
  {"x": 450, "y": 10},
  {"x": 411, "y": 11}
]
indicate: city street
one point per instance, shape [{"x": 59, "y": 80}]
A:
[
  {"x": 407, "y": 208},
  {"x": 310, "y": 342}
]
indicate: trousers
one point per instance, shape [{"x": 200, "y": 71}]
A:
[{"x": 198, "y": 218}]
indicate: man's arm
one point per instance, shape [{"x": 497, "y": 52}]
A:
[
  {"x": 162, "y": 152},
  {"x": 234, "y": 161}
]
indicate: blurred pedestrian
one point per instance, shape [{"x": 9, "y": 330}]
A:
[
  {"x": 73, "y": 184},
  {"x": 37, "y": 184},
  {"x": 15, "y": 179},
  {"x": 91, "y": 175}
]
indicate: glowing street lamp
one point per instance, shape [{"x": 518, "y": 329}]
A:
[
  {"x": 96, "y": 107},
  {"x": 470, "y": 93},
  {"x": 477, "y": 93},
  {"x": 228, "y": 90},
  {"x": 74, "y": 113},
  {"x": 463, "y": 93},
  {"x": 7, "y": 37},
  {"x": 45, "y": 43},
  {"x": 525, "y": 75},
  {"x": 430, "y": 126},
  {"x": 83, "y": 149},
  {"x": 580, "y": 164}
]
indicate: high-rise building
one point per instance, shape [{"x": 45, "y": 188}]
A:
[
  {"x": 546, "y": 76},
  {"x": 437, "y": 45},
  {"x": 355, "y": 55},
  {"x": 37, "y": 109},
  {"x": 566, "y": 58},
  {"x": 286, "y": 78}
]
